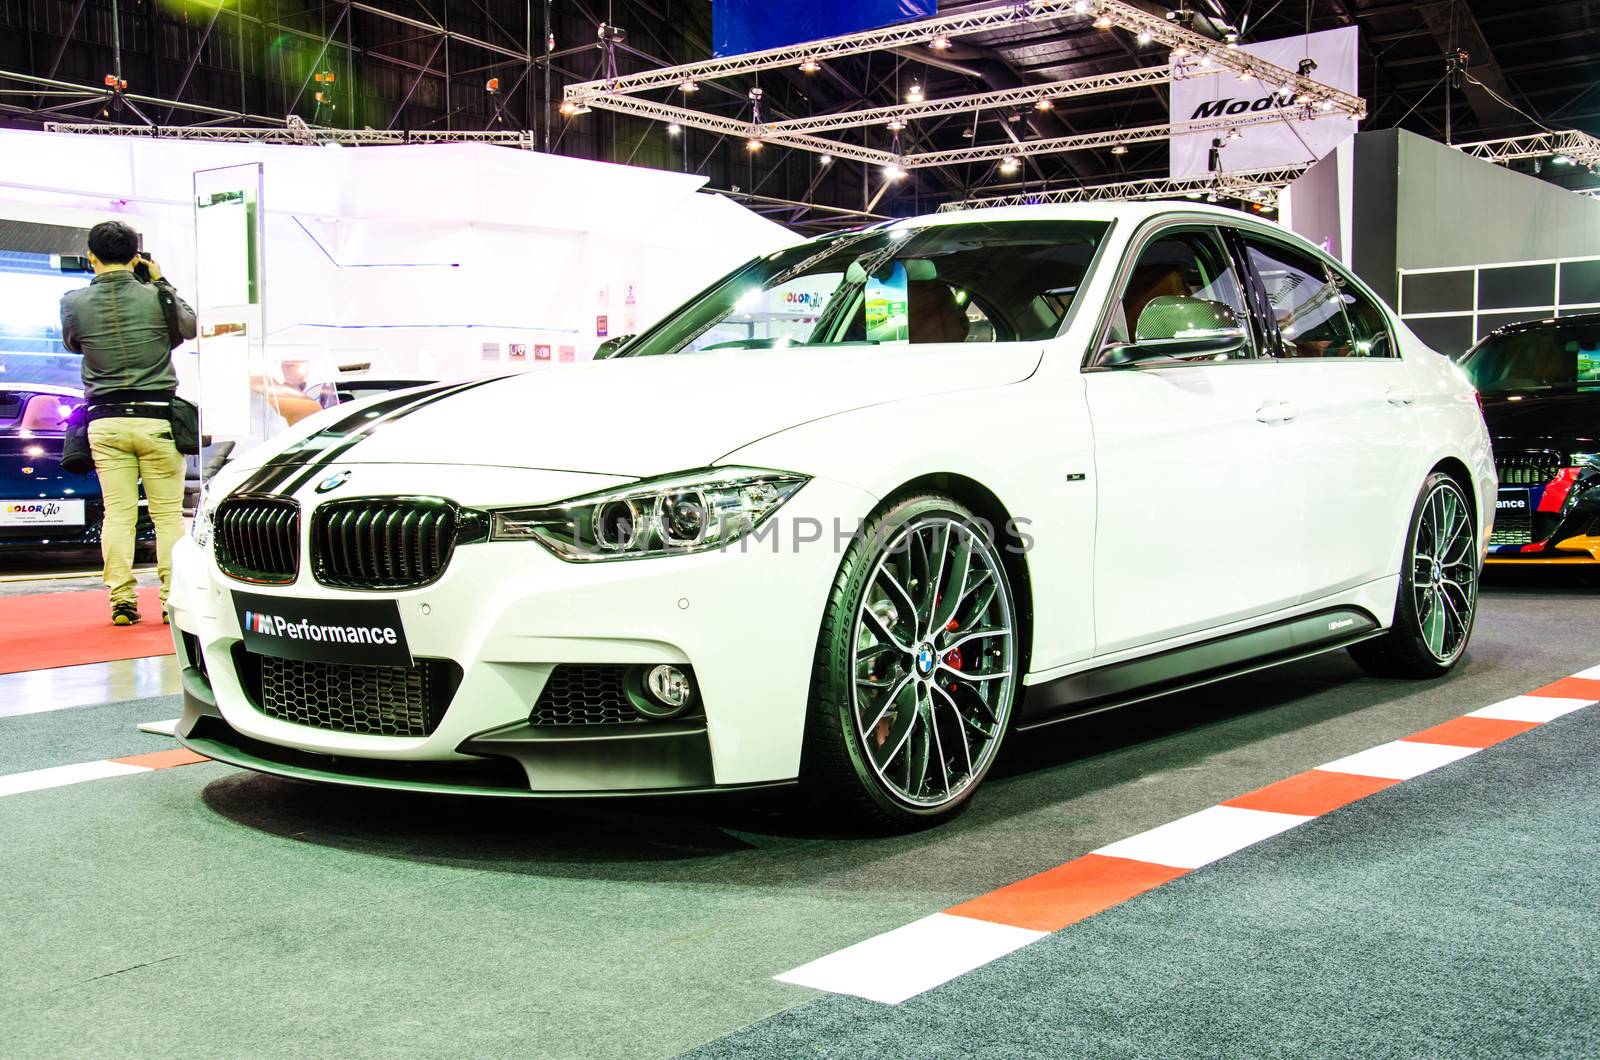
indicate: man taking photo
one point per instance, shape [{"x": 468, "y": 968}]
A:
[{"x": 117, "y": 323}]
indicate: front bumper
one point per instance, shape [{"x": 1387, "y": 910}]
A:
[{"x": 508, "y": 613}]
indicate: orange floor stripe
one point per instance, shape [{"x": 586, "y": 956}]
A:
[
  {"x": 1312, "y": 793},
  {"x": 1472, "y": 732},
  {"x": 178, "y": 756},
  {"x": 1067, "y": 893},
  {"x": 1571, "y": 688}
]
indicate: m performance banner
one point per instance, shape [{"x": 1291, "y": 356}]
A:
[
  {"x": 739, "y": 26},
  {"x": 1283, "y": 143}
]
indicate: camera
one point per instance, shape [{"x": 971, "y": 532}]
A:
[{"x": 142, "y": 270}]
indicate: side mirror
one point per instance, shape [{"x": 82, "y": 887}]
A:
[
  {"x": 1172, "y": 326},
  {"x": 611, "y": 346}
]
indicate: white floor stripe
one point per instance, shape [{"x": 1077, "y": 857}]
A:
[
  {"x": 1530, "y": 708},
  {"x": 159, "y": 728},
  {"x": 1203, "y": 837},
  {"x": 1592, "y": 673},
  {"x": 58, "y": 776},
  {"x": 1400, "y": 760},
  {"x": 906, "y": 961}
]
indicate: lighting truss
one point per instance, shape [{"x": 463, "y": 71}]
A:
[
  {"x": 1254, "y": 185},
  {"x": 1193, "y": 55},
  {"x": 298, "y": 133},
  {"x": 1580, "y": 147}
]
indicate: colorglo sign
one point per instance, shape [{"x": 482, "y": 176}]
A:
[{"x": 41, "y": 513}]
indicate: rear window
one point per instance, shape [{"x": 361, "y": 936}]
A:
[{"x": 1554, "y": 356}]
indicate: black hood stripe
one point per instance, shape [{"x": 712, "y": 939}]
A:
[
  {"x": 319, "y": 461},
  {"x": 280, "y": 467}
]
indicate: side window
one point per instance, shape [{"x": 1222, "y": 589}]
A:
[
  {"x": 1308, "y": 306},
  {"x": 1368, "y": 325},
  {"x": 1186, "y": 263}
]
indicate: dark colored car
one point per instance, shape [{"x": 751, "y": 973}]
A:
[
  {"x": 43, "y": 507},
  {"x": 1540, "y": 385}
]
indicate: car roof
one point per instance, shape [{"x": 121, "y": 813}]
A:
[
  {"x": 1078, "y": 211},
  {"x": 1583, "y": 319},
  {"x": 41, "y": 388}
]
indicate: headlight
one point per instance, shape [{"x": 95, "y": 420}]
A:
[
  {"x": 692, "y": 512},
  {"x": 201, "y": 529}
]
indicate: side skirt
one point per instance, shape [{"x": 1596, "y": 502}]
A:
[{"x": 1193, "y": 665}]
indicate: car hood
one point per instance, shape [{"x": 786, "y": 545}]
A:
[
  {"x": 639, "y": 417},
  {"x": 1534, "y": 419}
]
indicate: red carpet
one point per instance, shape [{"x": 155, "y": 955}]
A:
[{"x": 65, "y": 629}]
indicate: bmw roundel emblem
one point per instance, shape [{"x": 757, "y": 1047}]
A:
[
  {"x": 925, "y": 659},
  {"x": 333, "y": 482}
]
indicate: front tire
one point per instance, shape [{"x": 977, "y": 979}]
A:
[
  {"x": 916, "y": 672},
  {"x": 1438, "y": 598}
]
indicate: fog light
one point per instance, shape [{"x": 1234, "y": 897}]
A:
[{"x": 668, "y": 692}]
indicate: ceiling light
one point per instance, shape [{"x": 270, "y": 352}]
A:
[
  {"x": 1231, "y": 39},
  {"x": 690, "y": 86},
  {"x": 753, "y": 144},
  {"x": 1325, "y": 106},
  {"x": 1144, "y": 36},
  {"x": 1082, "y": 7},
  {"x": 1562, "y": 160},
  {"x": 1043, "y": 104},
  {"x": 896, "y": 125},
  {"x": 673, "y": 128},
  {"x": 810, "y": 66},
  {"x": 1286, "y": 91},
  {"x": 1120, "y": 149},
  {"x": 1009, "y": 165},
  {"x": 914, "y": 93},
  {"x": 823, "y": 160},
  {"x": 1234, "y": 133},
  {"x": 941, "y": 43},
  {"x": 894, "y": 171},
  {"x": 1246, "y": 75},
  {"x": 1102, "y": 21},
  {"x": 571, "y": 109},
  {"x": 1193, "y": 195},
  {"x": 1180, "y": 51}
]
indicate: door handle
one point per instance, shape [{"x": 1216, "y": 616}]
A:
[
  {"x": 1277, "y": 412},
  {"x": 1401, "y": 395}
]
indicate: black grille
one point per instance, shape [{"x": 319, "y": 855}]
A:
[
  {"x": 1532, "y": 468},
  {"x": 585, "y": 695},
  {"x": 340, "y": 697},
  {"x": 377, "y": 543},
  {"x": 257, "y": 539},
  {"x": 1513, "y": 526}
]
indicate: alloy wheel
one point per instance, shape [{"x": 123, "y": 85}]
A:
[
  {"x": 933, "y": 661},
  {"x": 1444, "y": 576}
]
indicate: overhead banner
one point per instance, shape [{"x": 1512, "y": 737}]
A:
[
  {"x": 739, "y": 26},
  {"x": 1289, "y": 142}
]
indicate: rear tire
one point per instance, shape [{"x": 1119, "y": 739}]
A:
[
  {"x": 1437, "y": 602},
  {"x": 916, "y": 670}
]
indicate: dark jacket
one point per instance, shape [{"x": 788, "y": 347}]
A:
[{"x": 117, "y": 324}]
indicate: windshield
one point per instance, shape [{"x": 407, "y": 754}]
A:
[
  {"x": 1558, "y": 355},
  {"x": 1001, "y": 281}
]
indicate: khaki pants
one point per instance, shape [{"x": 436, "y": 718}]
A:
[{"x": 127, "y": 449}]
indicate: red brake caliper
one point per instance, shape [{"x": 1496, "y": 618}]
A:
[{"x": 952, "y": 658}]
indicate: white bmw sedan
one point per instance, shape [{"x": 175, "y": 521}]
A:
[{"x": 855, "y": 516}]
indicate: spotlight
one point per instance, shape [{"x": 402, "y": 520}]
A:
[
  {"x": 1231, "y": 39},
  {"x": 1562, "y": 160},
  {"x": 1246, "y": 75},
  {"x": 1120, "y": 149},
  {"x": 1043, "y": 104},
  {"x": 894, "y": 171},
  {"x": 1307, "y": 65},
  {"x": 941, "y": 43},
  {"x": 1234, "y": 133},
  {"x": 492, "y": 85},
  {"x": 1325, "y": 106},
  {"x": 690, "y": 86},
  {"x": 673, "y": 128},
  {"x": 896, "y": 125},
  {"x": 1102, "y": 21},
  {"x": 753, "y": 144},
  {"x": 914, "y": 93},
  {"x": 1082, "y": 7},
  {"x": 1144, "y": 36},
  {"x": 824, "y": 160},
  {"x": 810, "y": 66},
  {"x": 1009, "y": 165},
  {"x": 1180, "y": 51},
  {"x": 1193, "y": 195},
  {"x": 1285, "y": 91},
  {"x": 571, "y": 109}
]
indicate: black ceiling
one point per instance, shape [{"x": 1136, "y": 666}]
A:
[{"x": 259, "y": 57}]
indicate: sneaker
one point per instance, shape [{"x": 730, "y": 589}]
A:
[
  {"x": 166, "y": 617},
  {"x": 124, "y": 614}
]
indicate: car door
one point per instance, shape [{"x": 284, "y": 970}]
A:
[
  {"x": 1199, "y": 495},
  {"x": 1355, "y": 424}
]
